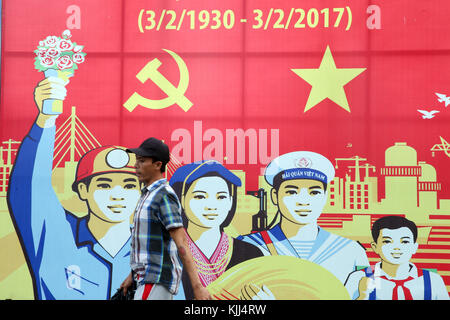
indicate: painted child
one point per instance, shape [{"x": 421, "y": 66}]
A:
[{"x": 395, "y": 277}]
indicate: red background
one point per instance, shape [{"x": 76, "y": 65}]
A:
[{"x": 241, "y": 78}]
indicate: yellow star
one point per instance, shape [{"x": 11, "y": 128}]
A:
[{"x": 328, "y": 82}]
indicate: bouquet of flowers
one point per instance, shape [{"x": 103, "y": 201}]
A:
[
  {"x": 59, "y": 54},
  {"x": 58, "y": 57}
]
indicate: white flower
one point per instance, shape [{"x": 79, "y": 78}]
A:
[
  {"x": 65, "y": 45},
  {"x": 51, "y": 41},
  {"x": 64, "y": 62},
  {"x": 47, "y": 61},
  {"x": 78, "y": 48},
  {"x": 41, "y": 52},
  {"x": 53, "y": 52},
  {"x": 78, "y": 58},
  {"x": 66, "y": 34}
]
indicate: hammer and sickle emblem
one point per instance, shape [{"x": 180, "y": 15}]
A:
[{"x": 174, "y": 94}]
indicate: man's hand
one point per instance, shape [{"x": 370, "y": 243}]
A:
[
  {"x": 126, "y": 284},
  {"x": 49, "y": 88},
  {"x": 201, "y": 293}
]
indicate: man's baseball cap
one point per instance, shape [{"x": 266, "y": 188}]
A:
[
  {"x": 154, "y": 148},
  {"x": 106, "y": 159}
]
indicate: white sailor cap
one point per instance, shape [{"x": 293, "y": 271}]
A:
[{"x": 300, "y": 165}]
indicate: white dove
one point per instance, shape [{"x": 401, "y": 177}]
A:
[
  {"x": 427, "y": 114},
  {"x": 443, "y": 98}
]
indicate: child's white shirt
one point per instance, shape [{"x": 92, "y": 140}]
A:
[{"x": 385, "y": 288}]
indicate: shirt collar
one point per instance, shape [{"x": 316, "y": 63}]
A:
[
  {"x": 83, "y": 235},
  {"x": 412, "y": 272},
  {"x": 154, "y": 185}
]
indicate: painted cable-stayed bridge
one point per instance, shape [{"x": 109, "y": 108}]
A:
[{"x": 73, "y": 139}]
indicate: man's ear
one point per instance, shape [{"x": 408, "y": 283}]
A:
[
  {"x": 82, "y": 191},
  {"x": 158, "y": 164},
  {"x": 274, "y": 196}
]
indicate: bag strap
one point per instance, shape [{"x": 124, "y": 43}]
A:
[{"x": 426, "y": 284}]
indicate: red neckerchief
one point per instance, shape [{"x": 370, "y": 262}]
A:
[{"x": 400, "y": 283}]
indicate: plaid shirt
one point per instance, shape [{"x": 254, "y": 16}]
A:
[{"x": 154, "y": 257}]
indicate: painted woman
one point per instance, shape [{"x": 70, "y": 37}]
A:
[{"x": 208, "y": 196}]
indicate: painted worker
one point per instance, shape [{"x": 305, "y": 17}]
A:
[
  {"x": 72, "y": 257},
  {"x": 158, "y": 237},
  {"x": 299, "y": 183}
]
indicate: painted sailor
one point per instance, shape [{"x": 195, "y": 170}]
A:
[{"x": 299, "y": 183}]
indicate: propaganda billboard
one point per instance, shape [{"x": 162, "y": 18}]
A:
[{"x": 309, "y": 144}]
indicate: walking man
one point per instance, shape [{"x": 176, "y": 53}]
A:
[{"x": 157, "y": 232}]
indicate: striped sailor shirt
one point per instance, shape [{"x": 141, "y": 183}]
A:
[{"x": 153, "y": 256}]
